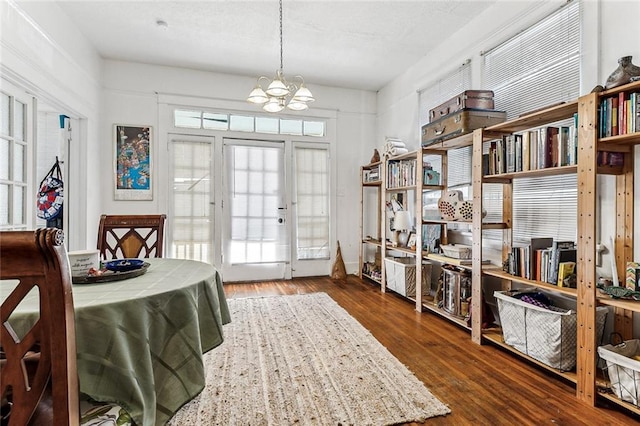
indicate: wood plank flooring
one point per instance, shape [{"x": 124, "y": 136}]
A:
[{"x": 483, "y": 385}]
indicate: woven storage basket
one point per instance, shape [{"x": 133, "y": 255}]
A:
[
  {"x": 401, "y": 276},
  {"x": 623, "y": 370},
  {"x": 456, "y": 251},
  {"x": 547, "y": 335}
]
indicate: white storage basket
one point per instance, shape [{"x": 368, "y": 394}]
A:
[
  {"x": 547, "y": 335},
  {"x": 623, "y": 369},
  {"x": 400, "y": 275}
]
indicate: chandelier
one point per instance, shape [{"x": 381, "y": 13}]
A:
[{"x": 281, "y": 93}]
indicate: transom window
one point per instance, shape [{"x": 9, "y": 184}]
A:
[{"x": 193, "y": 119}]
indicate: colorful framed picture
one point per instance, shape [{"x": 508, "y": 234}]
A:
[{"x": 132, "y": 162}]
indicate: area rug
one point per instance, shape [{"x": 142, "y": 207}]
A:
[{"x": 303, "y": 360}]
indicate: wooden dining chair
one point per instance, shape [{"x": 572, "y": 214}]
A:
[
  {"x": 38, "y": 366},
  {"x": 131, "y": 236}
]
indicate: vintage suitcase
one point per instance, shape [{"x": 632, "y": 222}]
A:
[
  {"x": 459, "y": 123},
  {"x": 480, "y": 99}
]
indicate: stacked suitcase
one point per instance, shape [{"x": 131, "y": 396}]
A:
[{"x": 470, "y": 110}]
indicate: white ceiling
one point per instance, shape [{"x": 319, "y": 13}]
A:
[{"x": 353, "y": 44}]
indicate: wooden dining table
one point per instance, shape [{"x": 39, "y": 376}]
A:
[{"x": 140, "y": 341}]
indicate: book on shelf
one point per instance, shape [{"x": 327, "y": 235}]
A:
[
  {"x": 561, "y": 251},
  {"x": 565, "y": 269},
  {"x": 606, "y": 158},
  {"x": 371, "y": 175},
  {"x": 401, "y": 173},
  {"x": 619, "y": 114},
  {"x": 535, "y": 246},
  {"x": 526, "y": 145},
  {"x": 533, "y": 150},
  {"x": 564, "y": 147}
]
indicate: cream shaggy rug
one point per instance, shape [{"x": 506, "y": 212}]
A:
[{"x": 303, "y": 360}]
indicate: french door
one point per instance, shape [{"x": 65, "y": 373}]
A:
[
  {"x": 255, "y": 231},
  {"x": 255, "y": 209}
]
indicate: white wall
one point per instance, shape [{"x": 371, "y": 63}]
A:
[
  {"x": 130, "y": 96},
  {"x": 43, "y": 52}
]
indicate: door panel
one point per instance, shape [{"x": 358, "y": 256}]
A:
[{"x": 255, "y": 219}]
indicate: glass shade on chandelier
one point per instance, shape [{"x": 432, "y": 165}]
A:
[{"x": 278, "y": 94}]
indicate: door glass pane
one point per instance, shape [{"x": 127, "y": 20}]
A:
[
  {"x": 18, "y": 205},
  {"x": 312, "y": 194},
  {"x": 4, "y": 204},
  {"x": 5, "y": 114},
  {"x": 20, "y": 120},
  {"x": 18, "y": 162},
  {"x": 192, "y": 236},
  {"x": 215, "y": 121},
  {"x": 256, "y": 204},
  {"x": 4, "y": 159}
]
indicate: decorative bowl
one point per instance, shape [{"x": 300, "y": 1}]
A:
[{"x": 123, "y": 265}]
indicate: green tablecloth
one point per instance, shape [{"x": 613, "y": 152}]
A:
[{"x": 140, "y": 341}]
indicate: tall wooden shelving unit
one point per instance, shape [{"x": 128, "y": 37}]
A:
[
  {"x": 412, "y": 188},
  {"x": 586, "y": 294},
  {"x": 375, "y": 241},
  {"x": 529, "y": 121}
]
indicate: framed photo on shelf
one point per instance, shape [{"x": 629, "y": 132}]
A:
[
  {"x": 132, "y": 163},
  {"x": 411, "y": 242}
]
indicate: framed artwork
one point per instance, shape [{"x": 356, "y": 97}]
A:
[
  {"x": 411, "y": 242},
  {"x": 132, "y": 162}
]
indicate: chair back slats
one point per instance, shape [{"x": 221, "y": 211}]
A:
[
  {"x": 37, "y": 262},
  {"x": 131, "y": 236}
]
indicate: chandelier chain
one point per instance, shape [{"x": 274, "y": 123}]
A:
[
  {"x": 281, "y": 66},
  {"x": 280, "y": 93}
]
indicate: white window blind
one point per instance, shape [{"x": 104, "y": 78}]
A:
[
  {"x": 312, "y": 195},
  {"x": 537, "y": 68},
  {"x": 190, "y": 222}
]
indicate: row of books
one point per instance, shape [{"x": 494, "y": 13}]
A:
[
  {"x": 619, "y": 114},
  {"x": 401, "y": 173},
  {"x": 371, "y": 175},
  {"x": 544, "y": 259},
  {"x": 549, "y": 146}
]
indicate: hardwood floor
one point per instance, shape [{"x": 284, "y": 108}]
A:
[{"x": 483, "y": 385}]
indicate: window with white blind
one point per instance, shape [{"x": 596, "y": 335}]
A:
[
  {"x": 312, "y": 202},
  {"x": 537, "y": 68}
]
